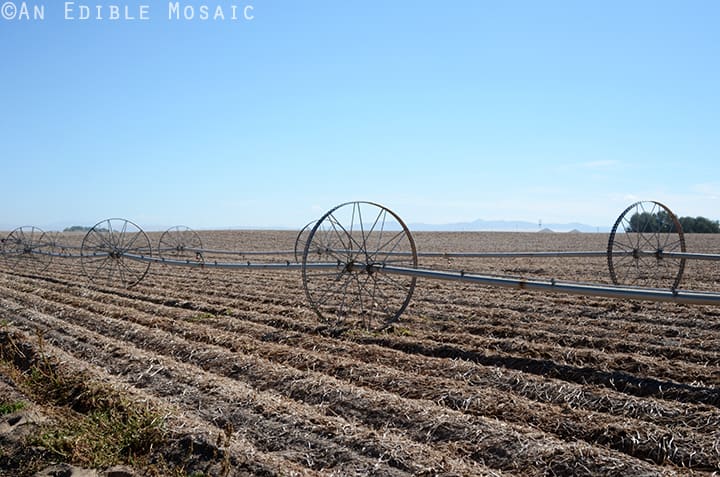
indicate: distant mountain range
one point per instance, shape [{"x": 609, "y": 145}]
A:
[{"x": 506, "y": 226}]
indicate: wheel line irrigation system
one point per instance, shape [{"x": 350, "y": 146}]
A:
[{"x": 359, "y": 261}]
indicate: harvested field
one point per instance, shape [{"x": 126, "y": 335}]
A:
[{"x": 471, "y": 381}]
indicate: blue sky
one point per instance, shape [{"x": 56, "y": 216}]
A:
[{"x": 563, "y": 111}]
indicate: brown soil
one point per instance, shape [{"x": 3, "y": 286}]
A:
[{"x": 471, "y": 381}]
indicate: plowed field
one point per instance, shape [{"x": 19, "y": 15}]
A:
[{"x": 471, "y": 380}]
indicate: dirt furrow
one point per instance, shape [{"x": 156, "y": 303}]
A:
[
  {"x": 699, "y": 350},
  {"x": 584, "y": 328},
  {"x": 308, "y": 381},
  {"x": 299, "y": 432},
  {"x": 577, "y": 338},
  {"x": 192, "y": 441},
  {"x": 566, "y": 423},
  {"x": 628, "y": 378},
  {"x": 356, "y": 345},
  {"x": 444, "y": 301},
  {"x": 688, "y": 448},
  {"x": 615, "y": 378},
  {"x": 104, "y": 308}
]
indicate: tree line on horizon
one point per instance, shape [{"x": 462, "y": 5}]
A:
[
  {"x": 662, "y": 222},
  {"x": 82, "y": 228}
]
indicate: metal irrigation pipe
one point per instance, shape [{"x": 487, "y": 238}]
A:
[
  {"x": 590, "y": 253},
  {"x": 570, "y": 253},
  {"x": 69, "y": 247},
  {"x": 587, "y": 289},
  {"x": 235, "y": 265},
  {"x": 692, "y": 256},
  {"x": 513, "y": 254},
  {"x": 484, "y": 254},
  {"x": 233, "y": 252},
  {"x": 474, "y": 254}
]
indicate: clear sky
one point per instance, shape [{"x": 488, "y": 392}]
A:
[{"x": 564, "y": 111}]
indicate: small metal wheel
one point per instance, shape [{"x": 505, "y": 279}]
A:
[
  {"x": 112, "y": 252},
  {"x": 640, "y": 243},
  {"x": 342, "y": 265},
  {"x": 180, "y": 243},
  {"x": 29, "y": 249},
  {"x": 301, "y": 240}
]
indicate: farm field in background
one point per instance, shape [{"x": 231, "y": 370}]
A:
[{"x": 471, "y": 381}]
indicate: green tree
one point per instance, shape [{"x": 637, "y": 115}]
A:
[
  {"x": 76, "y": 228},
  {"x": 646, "y": 222},
  {"x": 701, "y": 225},
  {"x": 650, "y": 223}
]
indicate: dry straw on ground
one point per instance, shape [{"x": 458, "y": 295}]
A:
[{"x": 471, "y": 381}]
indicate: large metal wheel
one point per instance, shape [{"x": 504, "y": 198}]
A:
[
  {"x": 106, "y": 253},
  {"x": 355, "y": 240},
  {"x": 28, "y": 249},
  {"x": 180, "y": 243},
  {"x": 639, "y": 244}
]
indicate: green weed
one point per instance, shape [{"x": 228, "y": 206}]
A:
[
  {"x": 10, "y": 407},
  {"x": 94, "y": 426},
  {"x": 201, "y": 317}
]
